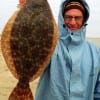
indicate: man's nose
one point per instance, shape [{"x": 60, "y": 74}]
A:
[{"x": 73, "y": 21}]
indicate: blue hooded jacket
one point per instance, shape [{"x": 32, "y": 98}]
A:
[{"x": 74, "y": 66}]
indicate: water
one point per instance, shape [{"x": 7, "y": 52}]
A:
[{"x": 95, "y": 41}]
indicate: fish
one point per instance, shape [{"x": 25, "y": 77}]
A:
[{"x": 28, "y": 41}]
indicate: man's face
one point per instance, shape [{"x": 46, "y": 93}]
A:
[{"x": 73, "y": 18}]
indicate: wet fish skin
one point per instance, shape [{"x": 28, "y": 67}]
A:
[{"x": 27, "y": 42}]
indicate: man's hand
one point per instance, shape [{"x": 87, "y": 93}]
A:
[{"x": 21, "y": 3}]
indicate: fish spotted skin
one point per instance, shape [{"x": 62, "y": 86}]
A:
[{"x": 27, "y": 43}]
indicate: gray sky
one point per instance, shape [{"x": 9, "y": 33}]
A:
[{"x": 7, "y": 8}]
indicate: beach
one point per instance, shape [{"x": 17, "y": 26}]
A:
[{"x": 8, "y": 81}]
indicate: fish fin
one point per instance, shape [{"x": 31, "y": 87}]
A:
[{"x": 20, "y": 93}]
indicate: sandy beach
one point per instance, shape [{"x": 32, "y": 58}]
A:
[{"x": 8, "y": 81}]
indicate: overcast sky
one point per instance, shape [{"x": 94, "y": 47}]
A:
[{"x": 7, "y": 8}]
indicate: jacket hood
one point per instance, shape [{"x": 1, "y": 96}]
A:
[{"x": 64, "y": 32}]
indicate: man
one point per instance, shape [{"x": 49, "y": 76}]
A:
[
  {"x": 73, "y": 15},
  {"x": 74, "y": 67}
]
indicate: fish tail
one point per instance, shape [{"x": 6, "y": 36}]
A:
[{"x": 21, "y": 92}]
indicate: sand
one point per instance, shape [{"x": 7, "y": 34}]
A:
[{"x": 8, "y": 81}]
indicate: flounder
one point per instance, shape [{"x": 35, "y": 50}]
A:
[{"x": 27, "y": 42}]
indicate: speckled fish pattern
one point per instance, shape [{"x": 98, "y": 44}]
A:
[{"x": 27, "y": 42}]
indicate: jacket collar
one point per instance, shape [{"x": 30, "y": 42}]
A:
[{"x": 76, "y": 37}]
